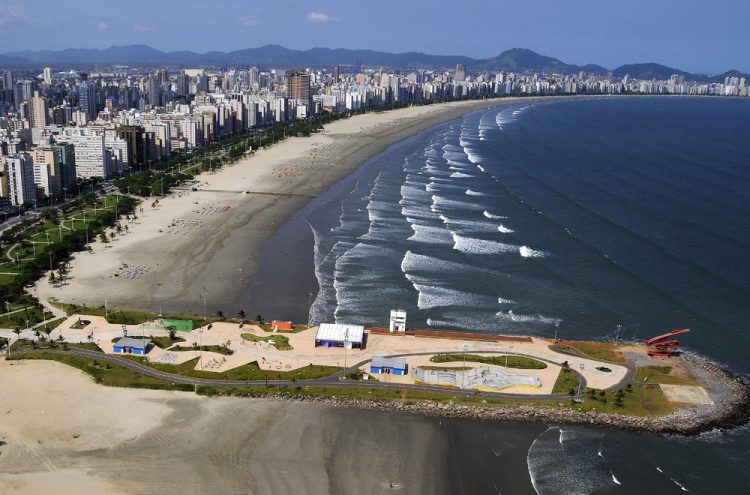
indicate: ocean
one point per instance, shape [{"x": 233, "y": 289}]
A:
[{"x": 567, "y": 216}]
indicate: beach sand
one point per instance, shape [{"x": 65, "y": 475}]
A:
[
  {"x": 214, "y": 255},
  {"x": 61, "y": 433}
]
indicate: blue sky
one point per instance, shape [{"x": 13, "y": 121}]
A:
[{"x": 704, "y": 36}]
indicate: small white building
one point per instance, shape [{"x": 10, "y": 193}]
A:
[
  {"x": 398, "y": 320},
  {"x": 340, "y": 335}
]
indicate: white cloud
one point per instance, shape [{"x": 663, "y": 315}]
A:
[
  {"x": 250, "y": 21},
  {"x": 10, "y": 13},
  {"x": 144, "y": 29},
  {"x": 102, "y": 26},
  {"x": 320, "y": 17}
]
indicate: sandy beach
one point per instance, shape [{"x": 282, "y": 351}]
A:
[
  {"x": 84, "y": 439},
  {"x": 206, "y": 243}
]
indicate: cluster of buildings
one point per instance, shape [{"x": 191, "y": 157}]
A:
[{"x": 59, "y": 128}]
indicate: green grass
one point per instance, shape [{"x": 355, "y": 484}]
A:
[
  {"x": 128, "y": 317},
  {"x": 662, "y": 374},
  {"x": 566, "y": 380},
  {"x": 370, "y": 393},
  {"x": 250, "y": 371},
  {"x": 164, "y": 342},
  {"x": 220, "y": 349},
  {"x": 80, "y": 324},
  {"x": 112, "y": 375},
  {"x": 281, "y": 342},
  {"x": 520, "y": 362},
  {"x": 637, "y": 402},
  {"x": 601, "y": 351}
]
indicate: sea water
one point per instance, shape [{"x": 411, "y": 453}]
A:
[{"x": 562, "y": 215}]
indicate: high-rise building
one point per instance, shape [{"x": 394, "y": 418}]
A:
[
  {"x": 460, "y": 74},
  {"x": 298, "y": 87},
  {"x": 87, "y": 99},
  {"x": 38, "y": 111},
  {"x": 66, "y": 157},
  {"x": 47, "y": 75},
  {"x": 8, "y": 80},
  {"x": 92, "y": 157},
  {"x": 21, "y": 186},
  {"x": 52, "y": 175},
  {"x": 154, "y": 91}
]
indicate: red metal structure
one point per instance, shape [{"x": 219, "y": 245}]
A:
[{"x": 663, "y": 345}]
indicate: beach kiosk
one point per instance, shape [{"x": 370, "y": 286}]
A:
[
  {"x": 128, "y": 345},
  {"x": 340, "y": 335}
]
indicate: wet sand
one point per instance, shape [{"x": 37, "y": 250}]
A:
[{"x": 85, "y": 438}]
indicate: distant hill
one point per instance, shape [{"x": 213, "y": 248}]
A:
[
  {"x": 524, "y": 60},
  {"x": 513, "y": 60},
  {"x": 8, "y": 60}
]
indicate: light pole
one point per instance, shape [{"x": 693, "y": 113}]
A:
[
  {"x": 617, "y": 334},
  {"x": 557, "y": 325},
  {"x": 200, "y": 348},
  {"x": 346, "y": 339},
  {"x": 205, "y": 296},
  {"x": 463, "y": 371},
  {"x": 580, "y": 384}
]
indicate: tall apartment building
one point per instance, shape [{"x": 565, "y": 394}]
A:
[
  {"x": 21, "y": 188},
  {"x": 38, "y": 111},
  {"x": 46, "y": 156},
  {"x": 92, "y": 157},
  {"x": 298, "y": 87}
]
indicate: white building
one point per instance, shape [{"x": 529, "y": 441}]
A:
[
  {"x": 340, "y": 335},
  {"x": 92, "y": 157},
  {"x": 21, "y": 186}
]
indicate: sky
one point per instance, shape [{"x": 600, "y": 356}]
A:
[{"x": 698, "y": 36}]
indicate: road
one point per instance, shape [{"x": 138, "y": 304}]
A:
[{"x": 329, "y": 381}]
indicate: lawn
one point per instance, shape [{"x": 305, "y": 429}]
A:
[
  {"x": 638, "y": 401},
  {"x": 220, "y": 349},
  {"x": 601, "y": 351},
  {"x": 164, "y": 342},
  {"x": 519, "y": 362},
  {"x": 128, "y": 317},
  {"x": 566, "y": 381},
  {"x": 663, "y": 374},
  {"x": 250, "y": 371},
  {"x": 281, "y": 342}
]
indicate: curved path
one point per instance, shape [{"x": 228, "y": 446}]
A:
[{"x": 329, "y": 381}]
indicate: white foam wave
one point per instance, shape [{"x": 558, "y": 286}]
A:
[
  {"x": 527, "y": 252},
  {"x": 461, "y": 175},
  {"x": 481, "y": 168},
  {"x": 504, "y": 230},
  {"x": 429, "y": 234},
  {"x": 501, "y": 300},
  {"x": 510, "y": 316},
  {"x": 487, "y": 214},
  {"x": 615, "y": 480},
  {"x": 469, "y": 192},
  {"x": 471, "y": 245}
]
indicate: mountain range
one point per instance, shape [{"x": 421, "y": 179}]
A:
[{"x": 514, "y": 60}]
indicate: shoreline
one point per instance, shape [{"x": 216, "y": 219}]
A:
[
  {"x": 731, "y": 411},
  {"x": 208, "y": 264}
]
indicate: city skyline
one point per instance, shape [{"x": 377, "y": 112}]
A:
[{"x": 692, "y": 38}]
